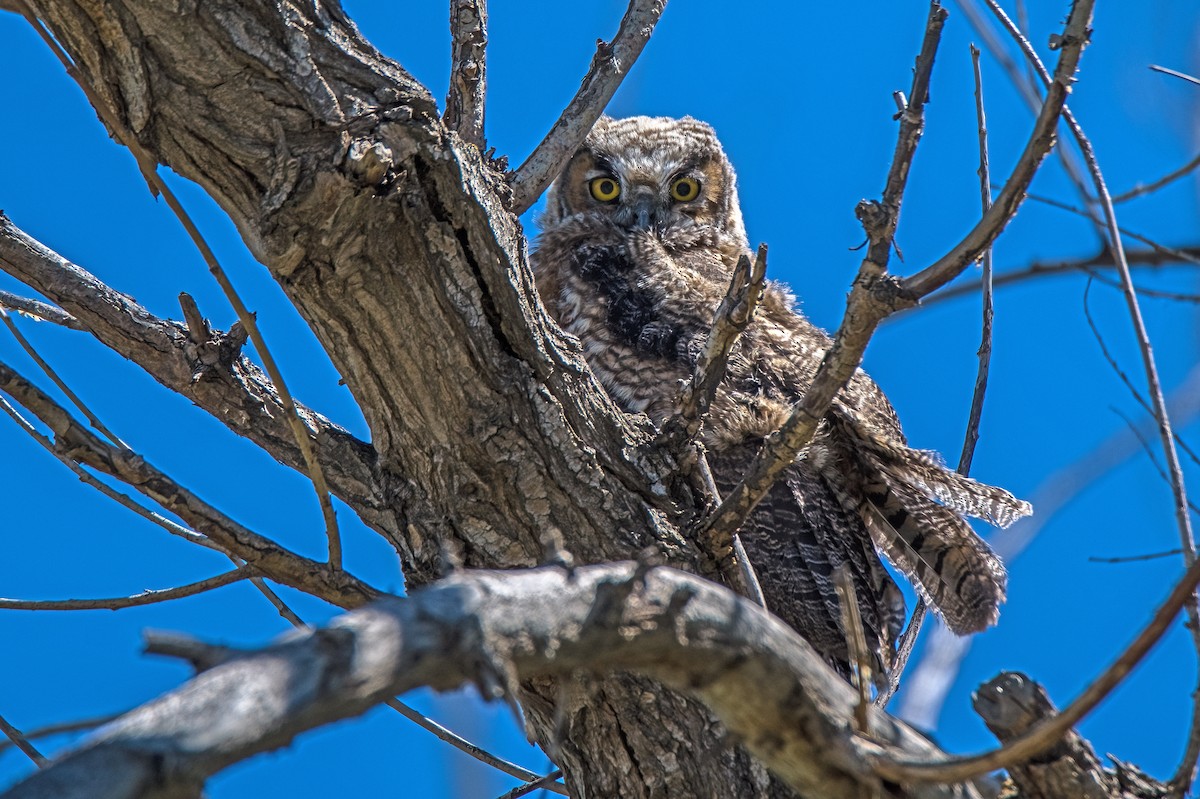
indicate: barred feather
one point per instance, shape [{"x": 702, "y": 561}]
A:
[{"x": 924, "y": 470}]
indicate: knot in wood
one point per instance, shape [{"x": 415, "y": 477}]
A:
[
  {"x": 369, "y": 161},
  {"x": 874, "y": 217},
  {"x": 888, "y": 291}
]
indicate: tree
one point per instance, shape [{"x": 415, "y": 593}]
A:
[{"x": 490, "y": 444}]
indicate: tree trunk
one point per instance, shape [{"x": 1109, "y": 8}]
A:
[{"x": 392, "y": 239}]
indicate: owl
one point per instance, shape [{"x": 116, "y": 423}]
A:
[{"x": 638, "y": 242}]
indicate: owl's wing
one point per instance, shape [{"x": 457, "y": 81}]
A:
[
  {"x": 914, "y": 507},
  {"x": 797, "y": 538}
]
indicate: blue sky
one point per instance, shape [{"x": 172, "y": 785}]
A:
[{"x": 802, "y": 99}]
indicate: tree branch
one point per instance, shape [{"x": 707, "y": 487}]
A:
[
  {"x": 212, "y": 374},
  {"x": 1050, "y": 731},
  {"x": 1159, "y": 256},
  {"x": 610, "y": 65},
  {"x": 266, "y": 556},
  {"x": 149, "y": 597},
  {"x": 465, "y": 102},
  {"x": 1011, "y": 704},
  {"x": 761, "y": 678}
]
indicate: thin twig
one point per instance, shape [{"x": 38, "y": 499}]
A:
[
  {"x": 908, "y": 642},
  {"x": 42, "y": 311},
  {"x": 149, "y": 597},
  {"x": 856, "y": 645},
  {"x": 1135, "y": 558},
  {"x": 1175, "y": 74},
  {"x": 64, "y": 727},
  {"x": 409, "y": 713},
  {"x": 1046, "y": 733},
  {"x": 32, "y": 352},
  {"x": 744, "y": 578},
  {"x": 874, "y": 296},
  {"x": 1157, "y": 257},
  {"x": 971, "y": 437},
  {"x": 1026, "y": 83},
  {"x": 149, "y": 170},
  {"x": 20, "y": 741},
  {"x": 926, "y": 688},
  {"x": 105, "y": 489},
  {"x": 1184, "y": 775},
  {"x": 1135, "y": 313},
  {"x": 533, "y": 785},
  {"x": 1155, "y": 185},
  {"x": 471, "y": 749},
  {"x": 610, "y": 65},
  {"x": 273, "y": 560},
  {"x": 732, "y": 317},
  {"x": 985, "y": 345},
  {"x": 466, "y": 100}
]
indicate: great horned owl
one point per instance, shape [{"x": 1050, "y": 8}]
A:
[{"x": 638, "y": 242}]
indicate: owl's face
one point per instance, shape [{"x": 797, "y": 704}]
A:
[{"x": 649, "y": 173}]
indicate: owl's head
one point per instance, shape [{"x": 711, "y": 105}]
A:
[{"x": 649, "y": 173}]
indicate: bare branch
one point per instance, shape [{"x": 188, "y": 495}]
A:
[
  {"x": 1154, "y": 185},
  {"x": 985, "y": 345},
  {"x": 1010, "y": 704},
  {"x": 63, "y": 727},
  {"x": 41, "y": 311},
  {"x": 1133, "y": 558},
  {"x": 466, "y": 100},
  {"x": 1048, "y": 732},
  {"x": 1074, "y": 39},
  {"x": 548, "y": 782},
  {"x": 610, "y": 65},
  {"x": 1157, "y": 257},
  {"x": 422, "y": 721},
  {"x": 541, "y": 782},
  {"x": 1026, "y": 83},
  {"x": 32, "y": 352},
  {"x": 21, "y": 741},
  {"x": 732, "y": 317},
  {"x": 105, "y": 489},
  {"x": 271, "y": 559},
  {"x": 149, "y": 597},
  {"x": 212, "y": 375},
  {"x": 149, "y": 169},
  {"x": 1184, "y": 776},
  {"x": 925, "y": 691},
  {"x": 1175, "y": 74},
  {"x": 754, "y": 672}
]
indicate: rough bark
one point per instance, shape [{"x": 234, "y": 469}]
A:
[
  {"x": 1010, "y": 704},
  {"x": 391, "y": 237},
  {"x": 768, "y": 686},
  {"x": 489, "y": 436}
]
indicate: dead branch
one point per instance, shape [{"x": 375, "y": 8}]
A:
[
  {"x": 1047, "y": 733},
  {"x": 21, "y": 741},
  {"x": 34, "y": 309},
  {"x": 610, "y": 65},
  {"x": 1011, "y": 704},
  {"x": 148, "y": 597},
  {"x": 466, "y": 100},
  {"x": 763, "y": 680},
  {"x": 263, "y": 554},
  {"x": 227, "y": 385},
  {"x": 1156, "y": 257}
]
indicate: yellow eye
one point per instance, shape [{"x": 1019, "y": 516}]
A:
[
  {"x": 605, "y": 189},
  {"x": 685, "y": 189}
]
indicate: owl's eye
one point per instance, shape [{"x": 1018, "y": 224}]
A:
[
  {"x": 685, "y": 189},
  {"x": 604, "y": 189}
]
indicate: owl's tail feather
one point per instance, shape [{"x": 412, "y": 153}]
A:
[{"x": 914, "y": 507}]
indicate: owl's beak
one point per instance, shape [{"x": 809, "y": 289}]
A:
[{"x": 643, "y": 212}]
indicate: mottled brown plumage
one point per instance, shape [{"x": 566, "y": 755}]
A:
[{"x": 639, "y": 240}]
